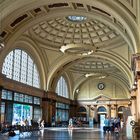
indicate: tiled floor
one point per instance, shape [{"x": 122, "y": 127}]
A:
[{"x": 67, "y": 134}]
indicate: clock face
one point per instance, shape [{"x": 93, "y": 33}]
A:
[{"x": 101, "y": 86}]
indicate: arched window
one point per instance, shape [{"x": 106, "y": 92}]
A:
[
  {"x": 62, "y": 88},
  {"x": 120, "y": 109},
  {"x": 82, "y": 113},
  {"x": 101, "y": 109},
  {"x": 82, "y": 109},
  {"x": 19, "y": 66}
]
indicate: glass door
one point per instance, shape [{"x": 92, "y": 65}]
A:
[{"x": 102, "y": 118}]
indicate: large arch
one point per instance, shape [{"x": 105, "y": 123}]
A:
[
  {"x": 67, "y": 61},
  {"x": 29, "y": 46},
  {"x": 67, "y": 78}
]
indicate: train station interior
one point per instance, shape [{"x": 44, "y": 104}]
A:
[{"x": 70, "y": 59}]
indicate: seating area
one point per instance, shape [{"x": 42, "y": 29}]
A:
[{"x": 28, "y": 129}]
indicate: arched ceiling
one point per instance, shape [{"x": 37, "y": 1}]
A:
[
  {"x": 60, "y": 31},
  {"x": 94, "y": 65},
  {"x": 100, "y": 42}
]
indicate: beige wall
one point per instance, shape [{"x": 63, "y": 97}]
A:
[{"x": 89, "y": 90}]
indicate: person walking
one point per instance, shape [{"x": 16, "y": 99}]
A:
[{"x": 106, "y": 127}]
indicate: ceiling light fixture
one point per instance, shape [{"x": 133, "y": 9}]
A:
[
  {"x": 81, "y": 49},
  {"x": 87, "y": 53},
  {"x": 91, "y": 74},
  {"x": 100, "y": 75},
  {"x": 1, "y": 42},
  {"x": 1, "y": 39},
  {"x": 103, "y": 76},
  {"x": 1, "y": 45}
]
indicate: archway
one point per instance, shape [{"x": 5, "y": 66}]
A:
[
  {"x": 101, "y": 115},
  {"x": 120, "y": 112},
  {"x": 82, "y": 114}
]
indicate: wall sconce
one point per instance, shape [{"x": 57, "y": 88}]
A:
[
  {"x": 77, "y": 90},
  {"x": 1, "y": 44},
  {"x": 134, "y": 87}
]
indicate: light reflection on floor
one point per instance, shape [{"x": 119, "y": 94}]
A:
[
  {"x": 76, "y": 129},
  {"x": 59, "y": 133}
]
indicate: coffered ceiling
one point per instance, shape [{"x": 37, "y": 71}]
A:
[{"x": 60, "y": 31}]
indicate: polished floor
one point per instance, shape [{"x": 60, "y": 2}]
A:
[{"x": 67, "y": 134}]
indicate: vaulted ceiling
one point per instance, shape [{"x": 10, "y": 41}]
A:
[{"x": 98, "y": 45}]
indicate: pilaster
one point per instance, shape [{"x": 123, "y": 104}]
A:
[
  {"x": 109, "y": 111},
  {"x": 134, "y": 104},
  {"x": 116, "y": 110},
  {"x": 95, "y": 113}
]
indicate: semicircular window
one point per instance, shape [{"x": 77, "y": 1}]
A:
[
  {"x": 19, "y": 66},
  {"x": 120, "y": 109},
  {"x": 76, "y": 18},
  {"x": 62, "y": 88},
  {"x": 101, "y": 109},
  {"x": 82, "y": 109}
]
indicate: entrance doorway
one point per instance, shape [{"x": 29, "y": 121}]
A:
[
  {"x": 120, "y": 112},
  {"x": 102, "y": 119},
  {"x": 101, "y": 115}
]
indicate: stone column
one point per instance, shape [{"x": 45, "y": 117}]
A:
[
  {"x": 89, "y": 110},
  {"x": 52, "y": 111},
  {"x": 48, "y": 110},
  {"x": 116, "y": 110},
  {"x": 136, "y": 69},
  {"x": 109, "y": 111},
  {"x": 45, "y": 109},
  {"x": 138, "y": 101},
  {"x": 73, "y": 110},
  {"x": 95, "y": 113},
  {"x": 134, "y": 104},
  {"x": 52, "y": 105}
]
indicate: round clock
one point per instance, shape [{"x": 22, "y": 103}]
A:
[{"x": 101, "y": 86}]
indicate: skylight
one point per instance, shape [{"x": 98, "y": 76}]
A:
[{"x": 76, "y": 18}]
